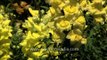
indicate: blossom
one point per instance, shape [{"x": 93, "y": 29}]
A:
[
  {"x": 5, "y": 57},
  {"x": 63, "y": 24},
  {"x": 83, "y": 4},
  {"x": 96, "y": 7},
  {"x": 99, "y": 19},
  {"x": 79, "y": 23},
  {"x": 55, "y": 36},
  {"x": 84, "y": 41},
  {"x": 5, "y": 33},
  {"x": 63, "y": 15},
  {"x": 34, "y": 12},
  {"x": 97, "y": 1},
  {"x": 70, "y": 10},
  {"x": 80, "y": 19},
  {"x": 30, "y": 58},
  {"x": 52, "y": 10},
  {"x": 39, "y": 53},
  {"x": 61, "y": 5},
  {"x": 73, "y": 36},
  {"x": 1, "y": 16}
]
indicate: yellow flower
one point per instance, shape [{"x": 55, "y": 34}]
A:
[
  {"x": 61, "y": 5},
  {"x": 27, "y": 24},
  {"x": 5, "y": 33},
  {"x": 79, "y": 23},
  {"x": 44, "y": 56},
  {"x": 84, "y": 41},
  {"x": 1, "y": 52},
  {"x": 23, "y": 43},
  {"x": 73, "y": 36},
  {"x": 77, "y": 31},
  {"x": 1, "y": 16},
  {"x": 34, "y": 12},
  {"x": 35, "y": 35},
  {"x": 69, "y": 10},
  {"x": 76, "y": 35},
  {"x": 51, "y": 25},
  {"x": 6, "y": 45},
  {"x": 97, "y": 5},
  {"x": 4, "y": 30},
  {"x": 26, "y": 50},
  {"x": 30, "y": 19},
  {"x": 56, "y": 53},
  {"x": 83, "y": 4},
  {"x": 37, "y": 27},
  {"x": 52, "y": 10},
  {"x": 91, "y": 9},
  {"x": 29, "y": 35},
  {"x": 39, "y": 53},
  {"x": 80, "y": 19},
  {"x": 66, "y": 1},
  {"x": 96, "y": 8},
  {"x": 5, "y": 57},
  {"x": 55, "y": 36},
  {"x": 30, "y": 58},
  {"x": 97, "y": 1},
  {"x": 63, "y": 25},
  {"x": 99, "y": 20}
]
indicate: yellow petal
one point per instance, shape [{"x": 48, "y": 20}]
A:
[
  {"x": 84, "y": 41},
  {"x": 30, "y": 59},
  {"x": 34, "y": 12},
  {"x": 63, "y": 25},
  {"x": 81, "y": 19}
]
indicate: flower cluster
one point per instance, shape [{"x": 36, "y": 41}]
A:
[
  {"x": 63, "y": 15},
  {"x": 5, "y": 33},
  {"x": 52, "y": 29}
]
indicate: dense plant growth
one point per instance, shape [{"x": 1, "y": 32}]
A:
[{"x": 53, "y": 30}]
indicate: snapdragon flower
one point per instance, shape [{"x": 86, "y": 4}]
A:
[{"x": 5, "y": 33}]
